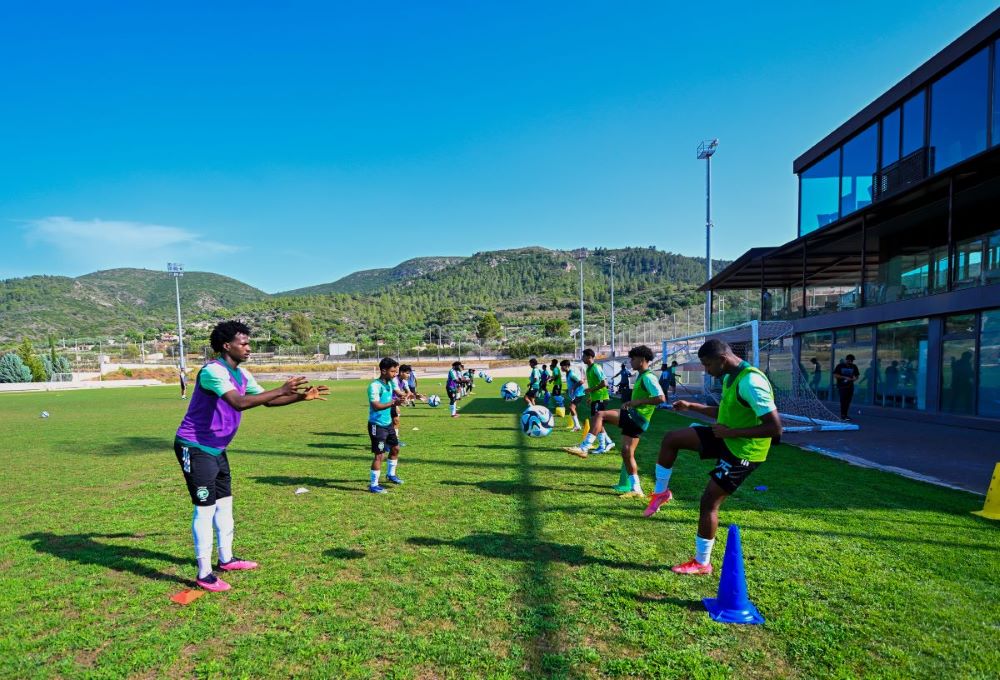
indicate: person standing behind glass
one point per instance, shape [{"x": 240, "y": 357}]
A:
[
  {"x": 846, "y": 374},
  {"x": 817, "y": 375}
]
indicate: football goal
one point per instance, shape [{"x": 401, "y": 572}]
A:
[{"x": 767, "y": 345}]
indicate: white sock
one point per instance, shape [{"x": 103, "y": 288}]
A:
[
  {"x": 703, "y": 549},
  {"x": 588, "y": 441},
  {"x": 576, "y": 422},
  {"x": 392, "y": 467},
  {"x": 373, "y": 477},
  {"x": 636, "y": 484},
  {"x": 201, "y": 529},
  {"x": 224, "y": 525},
  {"x": 662, "y": 478},
  {"x": 397, "y": 432},
  {"x": 605, "y": 439},
  {"x": 454, "y": 409}
]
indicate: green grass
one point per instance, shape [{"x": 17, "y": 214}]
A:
[{"x": 500, "y": 557}]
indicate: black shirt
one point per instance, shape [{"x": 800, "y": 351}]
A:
[{"x": 844, "y": 372}]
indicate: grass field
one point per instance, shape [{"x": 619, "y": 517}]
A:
[{"x": 500, "y": 557}]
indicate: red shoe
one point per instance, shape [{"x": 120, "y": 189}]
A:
[
  {"x": 655, "y": 501},
  {"x": 693, "y": 567},
  {"x": 454, "y": 415},
  {"x": 236, "y": 564},
  {"x": 213, "y": 583}
]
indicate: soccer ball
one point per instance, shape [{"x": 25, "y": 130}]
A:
[
  {"x": 510, "y": 391},
  {"x": 434, "y": 401},
  {"x": 45, "y": 414},
  {"x": 537, "y": 421},
  {"x": 482, "y": 374},
  {"x": 488, "y": 378}
]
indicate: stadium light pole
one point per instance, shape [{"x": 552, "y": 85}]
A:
[
  {"x": 581, "y": 255},
  {"x": 705, "y": 151},
  {"x": 611, "y": 261},
  {"x": 177, "y": 270}
]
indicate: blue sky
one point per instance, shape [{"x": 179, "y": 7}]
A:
[{"x": 289, "y": 147}]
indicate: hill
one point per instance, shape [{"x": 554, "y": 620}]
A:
[
  {"x": 524, "y": 287},
  {"x": 373, "y": 280},
  {"x": 111, "y": 302}
]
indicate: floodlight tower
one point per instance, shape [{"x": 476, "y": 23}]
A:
[
  {"x": 705, "y": 151},
  {"x": 581, "y": 255},
  {"x": 611, "y": 261},
  {"x": 177, "y": 270}
]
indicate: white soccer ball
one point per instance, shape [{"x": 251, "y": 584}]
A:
[
  {"x": 510, "y": 391},
  {"x": 537, "y": 421},
  {"x": 45, "y": 414},
  {"x": 434, "y": 401},
  {"x": 488, "y": 378},
  {"x": 482, "y": 374}
]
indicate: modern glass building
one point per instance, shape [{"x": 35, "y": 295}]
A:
[{"x": 897, "y": 259}]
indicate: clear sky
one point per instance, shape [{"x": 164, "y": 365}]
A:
[{"x": 289, "y": 147}]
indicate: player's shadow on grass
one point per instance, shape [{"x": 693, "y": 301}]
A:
[
  {"x": 344, "y": 553},
  {"x": 314, "y": 482},
  {"x": 84, "y": 549},
  {"x": 512, "y": 547},
  {"x": 323, "y": 445},
  {"x": 338, "y": 434},
  {"x": 500, "y": 487}
]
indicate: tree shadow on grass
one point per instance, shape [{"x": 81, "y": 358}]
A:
[
  {"x": 692, "y": 605},
  {"x": 512, "y": 547},
  {"x": 314, "y": 482},
  {"x": 84, "y": 549},
  {"x": 338, "y": 434},
  {"x": 504, "y": 488},
  {"x": 323, "y": 445}
]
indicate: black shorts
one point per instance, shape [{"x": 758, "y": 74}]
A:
[
  {"x": 207, "y": 476},
  {"x": 577, "y": 400},
  {"x": 452, "y": 396},
  {"x": 532, "y": 393},
  {"x": 394, "y": 411},
  {"x": 596, "y": 406},
  {"x": 383, "y": 438},
  {"x": 628, "y": 424},
  {"x": 729, "y": 471},
  {"x": 556, "y": 390}
]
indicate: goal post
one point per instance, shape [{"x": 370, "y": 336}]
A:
[{"x": 769, "y": 346}]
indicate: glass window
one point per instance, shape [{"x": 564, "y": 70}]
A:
[
  {"x": 816, "y": 353},
  {"x": 991, "y": 263},
  {"x": 913, "y": 123},
  {"x": 901, "y": 370},
  {"x": 968, "y": 263},
  {"x": 843, "y": 336},
  {"x": 819, "y": 187},
  {"x": 890, "y": 138},
  {"x": 989, "y": 364},
  {"x": 863, "y": 335},
  {"x": 912, "y": 255},
  {"x": 866, "y": 367},
  {"x": 958, "y": 375},
  {"x": 960, "y": 323},
  {"x": 860, "y": 160},
  {"x": 958, "y": 112},
  {"x": 996, "y": 97}
]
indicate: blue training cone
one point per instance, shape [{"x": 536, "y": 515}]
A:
[{"x": 732, "y": 605}]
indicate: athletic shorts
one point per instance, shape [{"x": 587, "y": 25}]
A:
[
  {"x": 452, "y": 396},
  {"x": 729, "y": 471},
  {"x": 383, "y": 438},
  {"x": 629, "y": 424},
  {"x": 597, "y": 406},
  {"x": 394, "y": 411},
  {"x": 532, "y": 393},
  {"x": 556, "y": 390},
  {"x": 207, "y": 477},
  {"x": 576, "y": 400}
]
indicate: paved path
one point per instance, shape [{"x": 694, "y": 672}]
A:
[{"x": 950, "y": 456}]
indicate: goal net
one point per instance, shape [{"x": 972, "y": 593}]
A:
[{"x": 766, "y": 345}]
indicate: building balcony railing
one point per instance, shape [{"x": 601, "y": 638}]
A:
[{"x": 905, "y": 172}]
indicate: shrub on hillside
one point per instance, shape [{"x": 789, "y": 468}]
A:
[{"x": 13, "y": 370}]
